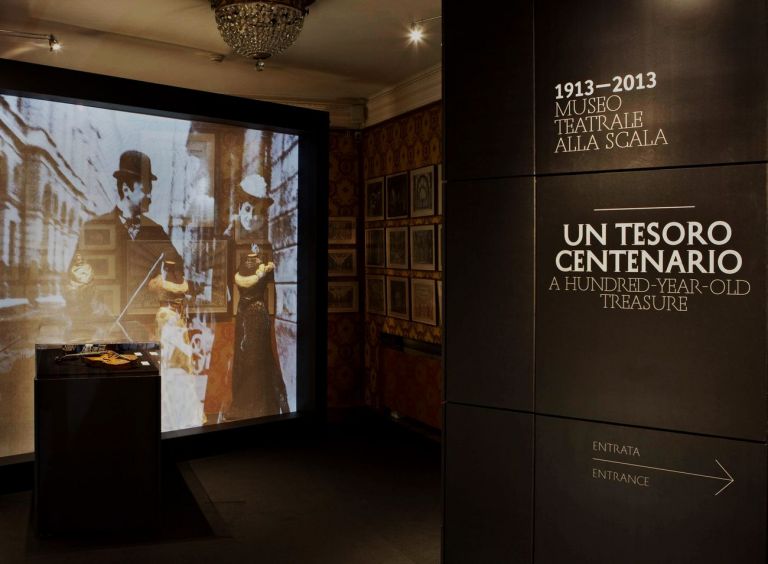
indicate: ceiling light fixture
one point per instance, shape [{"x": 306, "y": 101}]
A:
[
  {"x": 416, "y": 31},
  {"x": 53, "y": 43},
  {"x": 257, "y": 30}
]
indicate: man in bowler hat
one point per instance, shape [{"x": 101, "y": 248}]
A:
[{"x": 137, "y": 238}]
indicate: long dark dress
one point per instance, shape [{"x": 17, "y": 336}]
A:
[{"x": 257, "y": 384}]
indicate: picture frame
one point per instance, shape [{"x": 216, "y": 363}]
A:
[
  {"x": 423, "y": 247},
  {"x": 398, "y": 298},
  {"x": 342, "y": 230},
  {"x": 440, "y": 189},
  {"x": 397, "y": 247},
  {"x": 374, "y": 199},
  {"x": 440, "y": 302},
  {"x": 423, "y": 191},
  {"x": 440, "y": 247},
  {"x": 423, "y": 301},
  {"x": 398, "y": 195},
  {"x": 375, "y": 248},
  {"x": 342, "y": 262},
  {"x": 342, "y": 297},
  {"x": 97, "y": 237},
  {"x": 375, "y": 295}
]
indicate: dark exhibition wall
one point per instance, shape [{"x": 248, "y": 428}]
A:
[{"x": 606, "y": 196}]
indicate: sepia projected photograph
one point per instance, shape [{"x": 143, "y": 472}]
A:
[{"x": 123, "y": 227}]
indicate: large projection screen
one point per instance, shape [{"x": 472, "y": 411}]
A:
[{"x": 120, "y": 225}]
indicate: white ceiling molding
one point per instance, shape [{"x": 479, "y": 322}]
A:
[
  {"x": 410, "y": 94},
  {"x": 415, "y": 92}
]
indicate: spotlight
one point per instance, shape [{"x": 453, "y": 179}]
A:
[
  {"x": 416, "y": 31},
  {"x": 416, "y": 34}
]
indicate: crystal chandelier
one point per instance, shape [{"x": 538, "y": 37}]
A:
[{"x": 258, "y": 30}]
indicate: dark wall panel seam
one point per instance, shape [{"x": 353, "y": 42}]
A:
[
  {"x": 648, "y": 169},
  {"x": 628, "y": 425}
]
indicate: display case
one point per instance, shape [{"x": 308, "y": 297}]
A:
[{"x": 97, "y": 437}]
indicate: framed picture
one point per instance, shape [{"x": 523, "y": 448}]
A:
[
  {"x": 423, "y": 191},
  {"x": 440, "y": 247},
  {"x": 342, "y": 297},
  {"x": 342, "y": 262},
  {"x": 103, "y": 266},
  {"x": 342, "y": 231},
  {"x": 423, "y": 301},
  {"x": 423, "y": 247},
  {"x": 397, "y": 297},
  {"x": 397, "y": 195},
  {"x": 440, "y": 189},
  {"x": 397, "y": 247},
  {"x": 374, "y": 247},
  {"x": 97, "y": 237},
  {"x": 440, "y": 301},
  {"x": 374, "y": 199},
  {"x": 375, "y": 295},
  {"x": 210, "y": 273},
  {"x": 109, "y": 295}
]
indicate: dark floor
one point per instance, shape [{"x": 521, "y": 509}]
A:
[{"x": 366, "y": 492}]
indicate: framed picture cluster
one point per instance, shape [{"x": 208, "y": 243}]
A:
[
  {"x": 401, "y": 297},
  {"x": 415, "y": 193},
  {"x": 342, "y": 263},
  {"x": 403, "y": 236}
]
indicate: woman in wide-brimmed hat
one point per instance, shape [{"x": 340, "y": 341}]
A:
[{"x": 251, "y": 202}]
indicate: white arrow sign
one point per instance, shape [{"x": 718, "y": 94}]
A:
[{"x": 728, "y": 479}]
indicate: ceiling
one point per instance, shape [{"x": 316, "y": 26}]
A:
[{"x": 349, "y": 50}]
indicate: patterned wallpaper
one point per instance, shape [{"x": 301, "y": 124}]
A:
[
  {"x": 345, "y": 342},
  {"x": 407, "y": 383},
  {"x": 360, "y": 370},
  {"x": 411, "y": 385}
]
